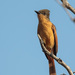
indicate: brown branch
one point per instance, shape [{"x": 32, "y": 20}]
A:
[{"x": 54, "y": 57}]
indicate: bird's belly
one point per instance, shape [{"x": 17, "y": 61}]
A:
[{"x": 48, "y": 37}]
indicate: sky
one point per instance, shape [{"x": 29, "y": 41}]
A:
[{"x": 20, "y": 50}]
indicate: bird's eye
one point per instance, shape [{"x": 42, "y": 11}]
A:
[{"x": 44, "y": 13}]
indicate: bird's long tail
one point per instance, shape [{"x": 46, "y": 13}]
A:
[{"x": 52, "y": 70}]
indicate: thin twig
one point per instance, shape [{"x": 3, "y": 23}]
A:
[{"x": 54, "y": 57}]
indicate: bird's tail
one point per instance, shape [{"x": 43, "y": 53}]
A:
[{"x": 52, "y": 70}]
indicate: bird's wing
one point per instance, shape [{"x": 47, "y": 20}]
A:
[{"x": 55, "y": 40}]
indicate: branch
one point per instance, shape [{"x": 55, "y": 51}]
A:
[
  {"x": 65, "y": 4},
  {"x": 68, "y": 6},
  {"x": 73, "y": 72},
  {"x": 63, "y": 74},
  {"x": 54, "y": 57}
]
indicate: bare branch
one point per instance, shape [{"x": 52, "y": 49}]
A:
[
  {"x": 67, "y": 6},
  {"x": 63, "y": 74},
  {"x": 54, "y": 57},
  {"x": 73, "y": 19},
  {"x": 73, "y": 72}
]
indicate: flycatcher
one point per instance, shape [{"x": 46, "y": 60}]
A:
[{"x": 47, "y": 31}]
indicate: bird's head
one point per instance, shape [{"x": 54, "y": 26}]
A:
[{"x": 44, "y": 12}]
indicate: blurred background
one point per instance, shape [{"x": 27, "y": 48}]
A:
[{"x": 20, "y": 50}]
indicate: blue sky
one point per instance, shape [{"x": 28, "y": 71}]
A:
[{"x": 20, "y": 51}]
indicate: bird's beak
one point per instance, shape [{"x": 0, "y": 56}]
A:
[{"x": 37, "y": 12}]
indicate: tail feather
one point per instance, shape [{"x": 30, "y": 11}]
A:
[{"x": 52, "y": 70}]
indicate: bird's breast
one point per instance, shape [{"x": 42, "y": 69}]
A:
[{"x": 46, "y": 33}]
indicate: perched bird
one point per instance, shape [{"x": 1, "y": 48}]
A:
[{"x": 47, "y": 31}]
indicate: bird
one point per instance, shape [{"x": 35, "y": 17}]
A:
[{"x": 47, "y": 31}]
